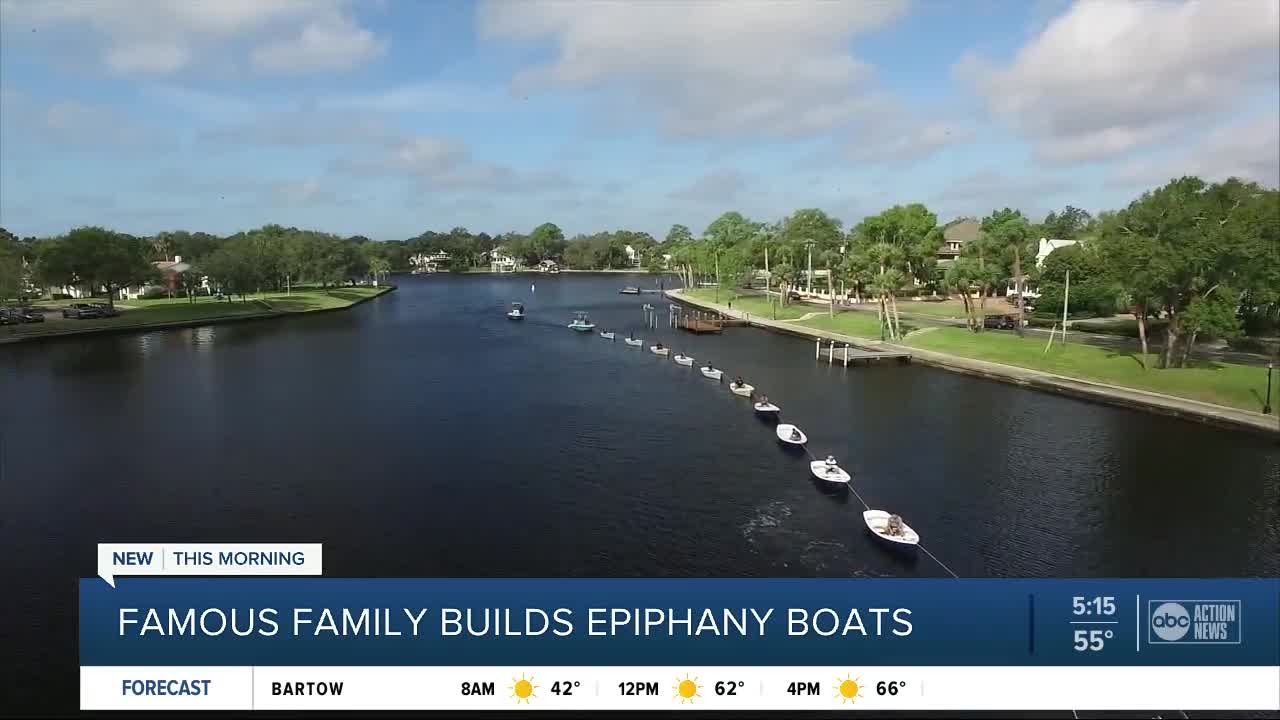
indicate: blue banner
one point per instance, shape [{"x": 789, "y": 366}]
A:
[{"x": 762, "y": 622}]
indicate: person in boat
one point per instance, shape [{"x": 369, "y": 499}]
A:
[
  {"x": 659, "y": 346},
  {"x": 894, "y": 526},
  {"x": 831, "y": 461},
  {"x": 738, "y": 382},
  {"x": 795, "y": 434},
  {"x": 709, "y": 367},
  {"x": 764, "y": 399}
]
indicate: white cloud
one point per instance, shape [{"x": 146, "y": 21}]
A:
[
  {"x": 163, "y": 38},
  {"x": 71, "y": 124},
  {"x": 707, "y": 68},
  {"x": 980, "y": 192},
  {"x": 447, "y": 165},
  {"x": 331, "y": 44},
  {"x": 1107, "y": 77},
  {"x": 1249, "y": 150},
  {"x": 719, "y": 187}
]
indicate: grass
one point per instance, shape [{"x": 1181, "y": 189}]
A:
[
  {"x": 854, "y": 323},
  {"x": 754, "y": 304},
  {"x": 160, "y": 311},
  {"x": 952, "y": 308},
  {"x": 1239, "y": 386}
]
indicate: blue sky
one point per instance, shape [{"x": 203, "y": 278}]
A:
[{"x": 388, "y": 118}]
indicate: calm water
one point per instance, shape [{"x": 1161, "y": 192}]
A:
[{"x": 423, "y": 434}]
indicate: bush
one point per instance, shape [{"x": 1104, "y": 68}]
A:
[
  {"x": 1125, "y": 328},
  {"x": 1252, "y": 345},
  {"x": 59, "y": 296},
  {"x": 153, "y": 293}
]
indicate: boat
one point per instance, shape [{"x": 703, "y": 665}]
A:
[
  {"x": 517, "y": 311},
  {"x": 764, "y": 407},
  {"x": 682, "y": 359},
  {"x": 606, "y": 334},
  {"x": 629, "y": 291},
  {"x": 633, "y": 341},
  {"x": 659, "y": 350},
  {"x": 890, "y": 528},
  {"x": 738, "y": 387},
  {"x": 712, "y": 373},
  {"x": 828, "y": 470},
  {"x": 581, "y": 323},
  {"x": 786, "y": 435}
]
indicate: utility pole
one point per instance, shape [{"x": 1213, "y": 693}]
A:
[
  {"x": 1066, "y": 300},
  {"x": 809, "y": 276}
]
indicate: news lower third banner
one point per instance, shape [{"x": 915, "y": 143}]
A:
[{"x": 484, "y": 644}]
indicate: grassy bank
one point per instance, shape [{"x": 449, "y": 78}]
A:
[
  {"x": 164, "y": 311},
  {"x": 754, "y": 304},
  {"x": 1238, "y": 386}
]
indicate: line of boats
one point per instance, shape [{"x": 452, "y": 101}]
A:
[{"x": 886, "y": 526}]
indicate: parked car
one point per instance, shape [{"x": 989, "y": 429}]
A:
[
  {"x": 1000, "y": 322},
  {"x": 107, "y": 310},
  {"x": 82, "y": 311},
  {"x": 13, "y": 316}
]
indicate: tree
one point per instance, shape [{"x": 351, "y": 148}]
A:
[
  {"x": 1178, "y": 246},
  {"x": 11, "y": 266},
  {"x": 679, "y": 234},
  {"x": 545, "y": 242},
  {"x": 1067, "y": 225},
  {"x": 1009, "y": 232},
  {"x": 98, "y": 258}
]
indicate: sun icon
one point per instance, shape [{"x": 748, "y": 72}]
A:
[
  {"x": 687, "y": 689},
  {"x": 848, "y": 689},
  {"x": 522, "y": 689}
]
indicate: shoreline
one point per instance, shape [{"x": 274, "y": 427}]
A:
[
  {"x": 193, "y": 322},
  {"x": 1115, "y": 395}
]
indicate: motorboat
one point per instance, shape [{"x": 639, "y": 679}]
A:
[
  {"x": 629, "y": 291},
  {"x": 682, "y": 359},
  {"x": 890, "y": 528},
  {"x": 738, "y": 387},
  {"x": 607, "y": 334},
  {"x": 791, "y": 435},
  {"x": 633, "y": 341},
  {"x": 710, "y": 372},
  {"x": 659, "y": 350},
  {"x": 764, "y": 407},
  {"x": 828, "y": 470},
  {"x": 517, "y": 311},
  {"x": 581, "y": 323}
]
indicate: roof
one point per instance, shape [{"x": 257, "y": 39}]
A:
[
  {"x": 962, "y": 231},
  {"x": 170, "y": 266}
]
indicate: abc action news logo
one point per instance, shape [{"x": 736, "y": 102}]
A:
[{"x": 1193, "y": 622}]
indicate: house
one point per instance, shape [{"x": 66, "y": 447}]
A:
[
  {"x": 1048, "y": 245},
  {"x": 633, "y": 256},
  {"x": 170, "y": 280},
  {"x": 501, "y": 262},
  {"x": 548, "y": 266},
  {"x": 955, "y": 237},
  {"x": 428, "y": 263}
]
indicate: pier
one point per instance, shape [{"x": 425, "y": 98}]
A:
[
  {"x": 700, "y": 321},
  {"x": 846, "y": 354}
]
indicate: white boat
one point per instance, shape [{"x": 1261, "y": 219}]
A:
[
  {"x": 767, "y": 408},
  {"x": 634, "y": 342},
  {"x": 659, "y": 350},
  {"x": 785, "y": 434},
  {"x": 744, "y": 389},
  {"x": 517, "y": 311},
  {"x": 712, "y": 373},
  {"x": 828, "y": 470},
  {"x": 878, "y": 522},
  {"x": 606, "y": 334},
  {"x": 682, "y": 359},
  {"x": 581, "y": 323}
]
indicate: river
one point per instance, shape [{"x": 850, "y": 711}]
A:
[{"x": 424, "y": 434}]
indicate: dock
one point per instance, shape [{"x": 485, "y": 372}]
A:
[
  {"x": 847, "y": 354},
  {"x": 700, "y": 321}
]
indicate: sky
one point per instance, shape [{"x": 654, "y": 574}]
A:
[{"x": 386, "y": 118}]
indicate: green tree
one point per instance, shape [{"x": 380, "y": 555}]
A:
[
  {"x": 99, "y": 258},
  {"x": 1067, "y": 225},
  {"x": 1009, "y": 232},
  {"x": 545, "y": 242},
  {"x": 11, "y": 266},
  {"x": 679, "y": 234}
]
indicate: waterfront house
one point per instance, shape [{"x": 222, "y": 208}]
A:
[
  {"x": 169, "y": 280},
  {"x": 428, "y": 262},
  {"x": 633, "y": 256},
  {"x": 548, "y": 266},
  {"x": 1047, "y": 246},
  {"x": 955, "y": 236},
  {"x": 500, "y": 261}
]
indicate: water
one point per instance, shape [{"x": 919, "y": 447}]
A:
[{"x": 424, "y": 434}]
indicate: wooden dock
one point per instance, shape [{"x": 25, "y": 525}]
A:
[{"x": 847, "y": 354}]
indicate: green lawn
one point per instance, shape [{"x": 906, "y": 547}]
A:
[
  {"x": 754, "y": 304},
  {"x": 141, "y": 313},
  {"x": 855, "y": 323},
  {"x": 952, "y": 308},
  {"x": 1238, "y": 386}
]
